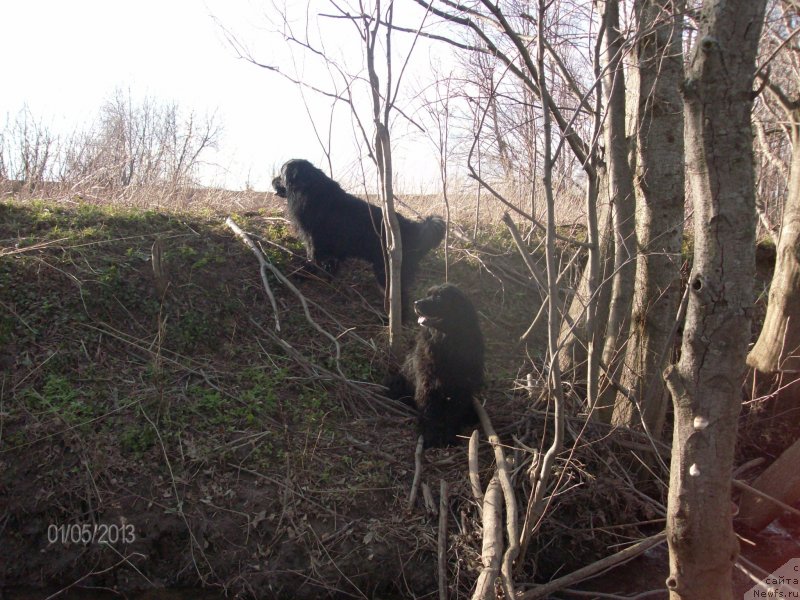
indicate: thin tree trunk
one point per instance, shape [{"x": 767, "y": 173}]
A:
[
  {"x": 572, "y": 355},
  {"x": 394, "y": 242},
  {"x": 383, "y": 155},
  {"x": 620, "y": 180},
  {"x": 600, "y": 307},
  {"x": 592, "y": 280},
  {"x": 706, "y": 383},
  {"x": 599, "y": 253},
  {"x": 656, "y": 108},
  {"x": 554, "y": 383},
  {"x": 778, "y": 345},
  {"x": 581, "y": 330}
]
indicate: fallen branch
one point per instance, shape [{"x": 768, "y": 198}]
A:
[
  {"x": 492, "y": 549},
  {"x": 427, "y": 497},
  {"x": 589, "y": 571},
  {"x": 510, "y": 500},
  {"x": 412, "y": 497},
  {"x": 283, "y": 279},
  {"x": 262, "y": 261},
  {"x": 474, "y": 475},
  {"x": 531, "y": 509},
  {"x": 318, "y": 372},
  {"x": 442, "y": 546},
  {"x": 539, "y": 277}
]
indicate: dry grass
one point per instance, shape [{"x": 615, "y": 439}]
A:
[{"x": 468, "y": 204}]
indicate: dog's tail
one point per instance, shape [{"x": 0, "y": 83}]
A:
[{"x": 429, "y": 234}]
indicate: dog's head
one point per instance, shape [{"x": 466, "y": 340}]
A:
[
  {"x": 295, "y": 173},
  {"x": 446, "y": 308}
]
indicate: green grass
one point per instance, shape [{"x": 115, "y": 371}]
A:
[
  {"x": 137, "y": 439},
  {"x": 60, "y": 398},
  {"x": 91, "y": 333}
]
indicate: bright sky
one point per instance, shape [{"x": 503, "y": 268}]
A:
[{"x": 64, "y": 58}]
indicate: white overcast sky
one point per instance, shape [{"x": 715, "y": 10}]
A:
[{"x": 64, "y": 58}]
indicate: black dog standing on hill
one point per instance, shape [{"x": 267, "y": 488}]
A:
[
  {"x": 335, "y": 225},
  {"x": 445, "y": 370}
]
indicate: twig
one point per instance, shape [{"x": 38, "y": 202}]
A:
[
  {"x": 750, "y": 489},
  {"x": 752, "y": 571},
  {"x": 412, "y": 497},
  {"x": 263, "y": 264},
  {"x": 427, "y": 496},
  {"x": 321, "y": 373},
  {"x": 510, "y": 500},
  {"x": 596, "y": 568},
  {"x": 539, "y": 277},
  {"x": 532, "y": 507},
  {"x": 492, "y": 549},
  {"x": 91, "y": 573},
  {"x": 748, "y": 465},
  {"x": 545, "y": 463},
  {"x": 371, "y": 449},
  {"x": 178, "y": 508},
  {"x": 283, "y": 279},
  {"x": 533, "y": 324},
  {"x": 442, "y": 547},
  {"x": 474, "y": 475}
]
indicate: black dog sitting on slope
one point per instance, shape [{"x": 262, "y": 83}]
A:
[
  {"x": 335, "y": 225},
  {"x": 444, "y": 371}
]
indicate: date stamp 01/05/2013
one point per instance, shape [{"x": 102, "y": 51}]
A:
[{"x": 91, "y": 533}]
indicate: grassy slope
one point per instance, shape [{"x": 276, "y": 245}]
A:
[
  {"x": 175, "y": 415},
  {"x": 237, "y": 458}
]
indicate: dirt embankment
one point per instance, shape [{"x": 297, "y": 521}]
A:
[{"x": 157, "y": 431}]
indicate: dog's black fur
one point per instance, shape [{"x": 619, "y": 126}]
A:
[
  {"x": 445, "y": 370},
  {"x": 335, "y": 225}
]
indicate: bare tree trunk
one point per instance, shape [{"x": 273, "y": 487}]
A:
[
  {"x": 706, "y": 383},
  {"x": 600, "y": 253},
  {"x": 383, "y": 155},
  {"x": 586, "y": 321},
  {"x": 657, "y": 119},
  {"x": 620, "y": 180},
  {"x": 778, "y": 345},
  {"x": 591, "y": 280},
  {"x": 584, "y": 327},
  {"x": 536, "y": 504},
  {"x": 394, "y": 242}
]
